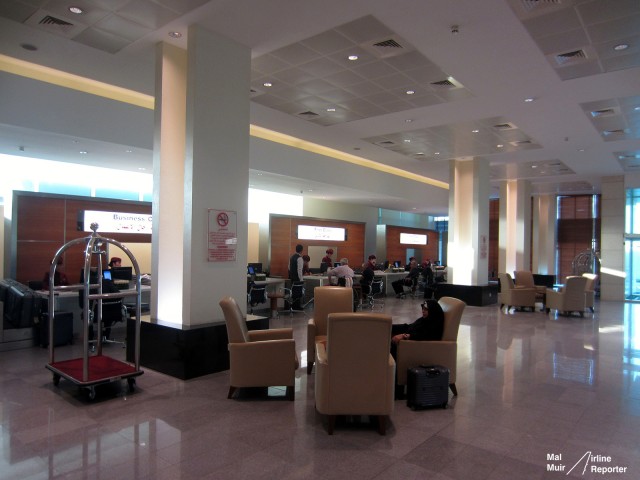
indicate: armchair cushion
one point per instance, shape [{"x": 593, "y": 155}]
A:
[
  {"x": 327, "y": 300},
  {"x": 355, "y": 377}
]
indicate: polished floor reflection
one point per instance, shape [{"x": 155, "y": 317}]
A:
[{"x": 539, "y": 396}]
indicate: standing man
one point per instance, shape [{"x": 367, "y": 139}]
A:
[
  {"x": 296, "y": 264},
  {"x": 327, "y": 258}
]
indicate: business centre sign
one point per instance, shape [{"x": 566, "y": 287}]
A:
[{"x": 117, "y": 222}]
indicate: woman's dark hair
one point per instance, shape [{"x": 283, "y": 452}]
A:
[{"x": 435, "y": 310}]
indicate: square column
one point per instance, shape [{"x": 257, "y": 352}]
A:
[
  {"x": 544, "y": 235},
  {"x": 515, "y": 226},
  {"x": 201, "y": 162},
  {"x": 468, "y": 246}
]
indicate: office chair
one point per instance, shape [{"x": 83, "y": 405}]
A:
[
  {"x": 376, "y": 293},
  {"x": 113, "y": 311},
  {"x": 256, "y": 296},
  {"x": 294, "y": 296}
]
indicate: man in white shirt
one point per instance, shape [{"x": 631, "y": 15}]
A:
[{"x": 343, "y": 271}]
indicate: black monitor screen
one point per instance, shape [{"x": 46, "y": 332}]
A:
[
  {"x": 397, "y": 264},
  {"x": 257, "y": 267},
  {"x": 122, "y": 273},
  {"x": 336, "y": 264},
  {"x": 93, "y": 275},
  {"x": 250, "y": 270}
]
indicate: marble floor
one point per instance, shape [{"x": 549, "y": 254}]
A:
[{"x": 539, "y": 396}]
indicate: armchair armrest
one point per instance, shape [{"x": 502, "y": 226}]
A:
[
  {"x": 271, "y": 362},
  {"x": 271, "y": 334}
]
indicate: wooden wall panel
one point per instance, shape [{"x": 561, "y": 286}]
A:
[
  {"x": 46, "y": 222},
  {"x": 284, "y": 238},
  {"x": 40, "y": 218},
  {"x": 398, "y": 251}
]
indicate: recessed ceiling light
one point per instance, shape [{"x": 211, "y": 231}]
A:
[
  {"x": 175, "y": 34},
  {"x": 331, "y": 109},
  {"x": 408, "y": 120},
  {"x": 437, "y": 153},
  {"x": 353, "y": 58},
  {"x": 76, "y": 10},
  {"x": 407, "y": 140},
  {"x": 621, "y": 46},
  {"x": 267, "y": 84},
  {"x": 420, "y": 153},
  {"x": 129, "y": 151},
  {"x": 410, "y": 92},
  {"x": 637, "y": 109},
  {"x": 475, "y": 131},
  {"x": 142, "y": 169},
  {"x": 529, "y": 99},
  {"x": 581, "y": 149},
  {"x": 499, "y": 145},
  {"x": 83, "y": 152},
  {"x": 534, "y": 166}
]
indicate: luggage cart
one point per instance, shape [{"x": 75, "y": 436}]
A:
[{"x": 93, "y": 368}]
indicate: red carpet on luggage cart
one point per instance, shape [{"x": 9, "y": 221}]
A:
[{"x": 101, "y": 368}]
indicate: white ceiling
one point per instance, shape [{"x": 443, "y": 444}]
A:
[{"x": 470, "y": 65}]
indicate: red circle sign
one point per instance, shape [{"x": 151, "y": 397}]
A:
[{"x": 222, "y": 219}]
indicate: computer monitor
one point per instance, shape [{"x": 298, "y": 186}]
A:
[
  {"x": 397, "y": 264},
  {"x": 93, "y": 275},
  {"x": 257, "y": 267},
  {"x": 107, "y": 275},
  {"x": 250, "y": 270},
  {"x": 122, "y": 273},
  {"x": 336, "y": 264}
]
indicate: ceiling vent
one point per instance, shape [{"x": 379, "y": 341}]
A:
[
  {"x": 386, "y": 143},
  {"x": 617, "y": 131},
  {"x": 570, "y": 58},
  {"x": 531, "y": 5},
  {"x": 505, "y": 126},
  {"x": 389, "y": 46},
  {"x": 521, "y": 143},
  {"x": 308, "y": 114},
  {"x": 43, "y": 20},
  {"x": 444, "y": 84},
  {"x": 605, "y": 112}
]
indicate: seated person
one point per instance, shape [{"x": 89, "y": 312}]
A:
[
  {"x": 115, "y": 262},
  {"x": 368, "y": 274},
  {"x": 410, "y": 280},
  {"x": 343, "y": 274},
  {"x": 430, "y": 326},
  {"x": 306, "y": 270},
  {"x": 59, "y": 278}
]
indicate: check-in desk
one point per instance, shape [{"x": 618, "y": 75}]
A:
[
  {"x": 313, "y": 281},
  {"x": 69, "y": 301}
]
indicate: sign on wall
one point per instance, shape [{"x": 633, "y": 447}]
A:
[
  {"x": 314, "y": 232},
  {"x": 223, "y": 235},
  {"x": 117, "y": 222},
  {"x": 413, "y": 238}
]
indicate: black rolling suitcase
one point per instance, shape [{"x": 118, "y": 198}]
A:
[
  {"x": 62, "y": 331},
  {"x": 427, "y": 386}
]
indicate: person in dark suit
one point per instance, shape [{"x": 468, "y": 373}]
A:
[
  {"x": 296, "y": 269},
  {"x": 368, "y": 274},
  {"x": 410, "y": 280}
]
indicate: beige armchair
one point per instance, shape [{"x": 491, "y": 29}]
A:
[
  {"x": 326, "y": 300},
  {"x": 259, "y": 358},
  {"x": 444, "y": 352},
  {"x": 355, "y": 373},
  {"x": 513, "y": 296},
  {"x": 570, "y": 298},
  {"x": 590, "y": 290},
  {"x": 524, "y": 278}
]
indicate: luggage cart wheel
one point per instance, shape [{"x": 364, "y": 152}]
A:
[
  {"x": 92, "y": 393},
  {"x": 56, "y": 379},
  {"x": 132, "y": 384}
]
